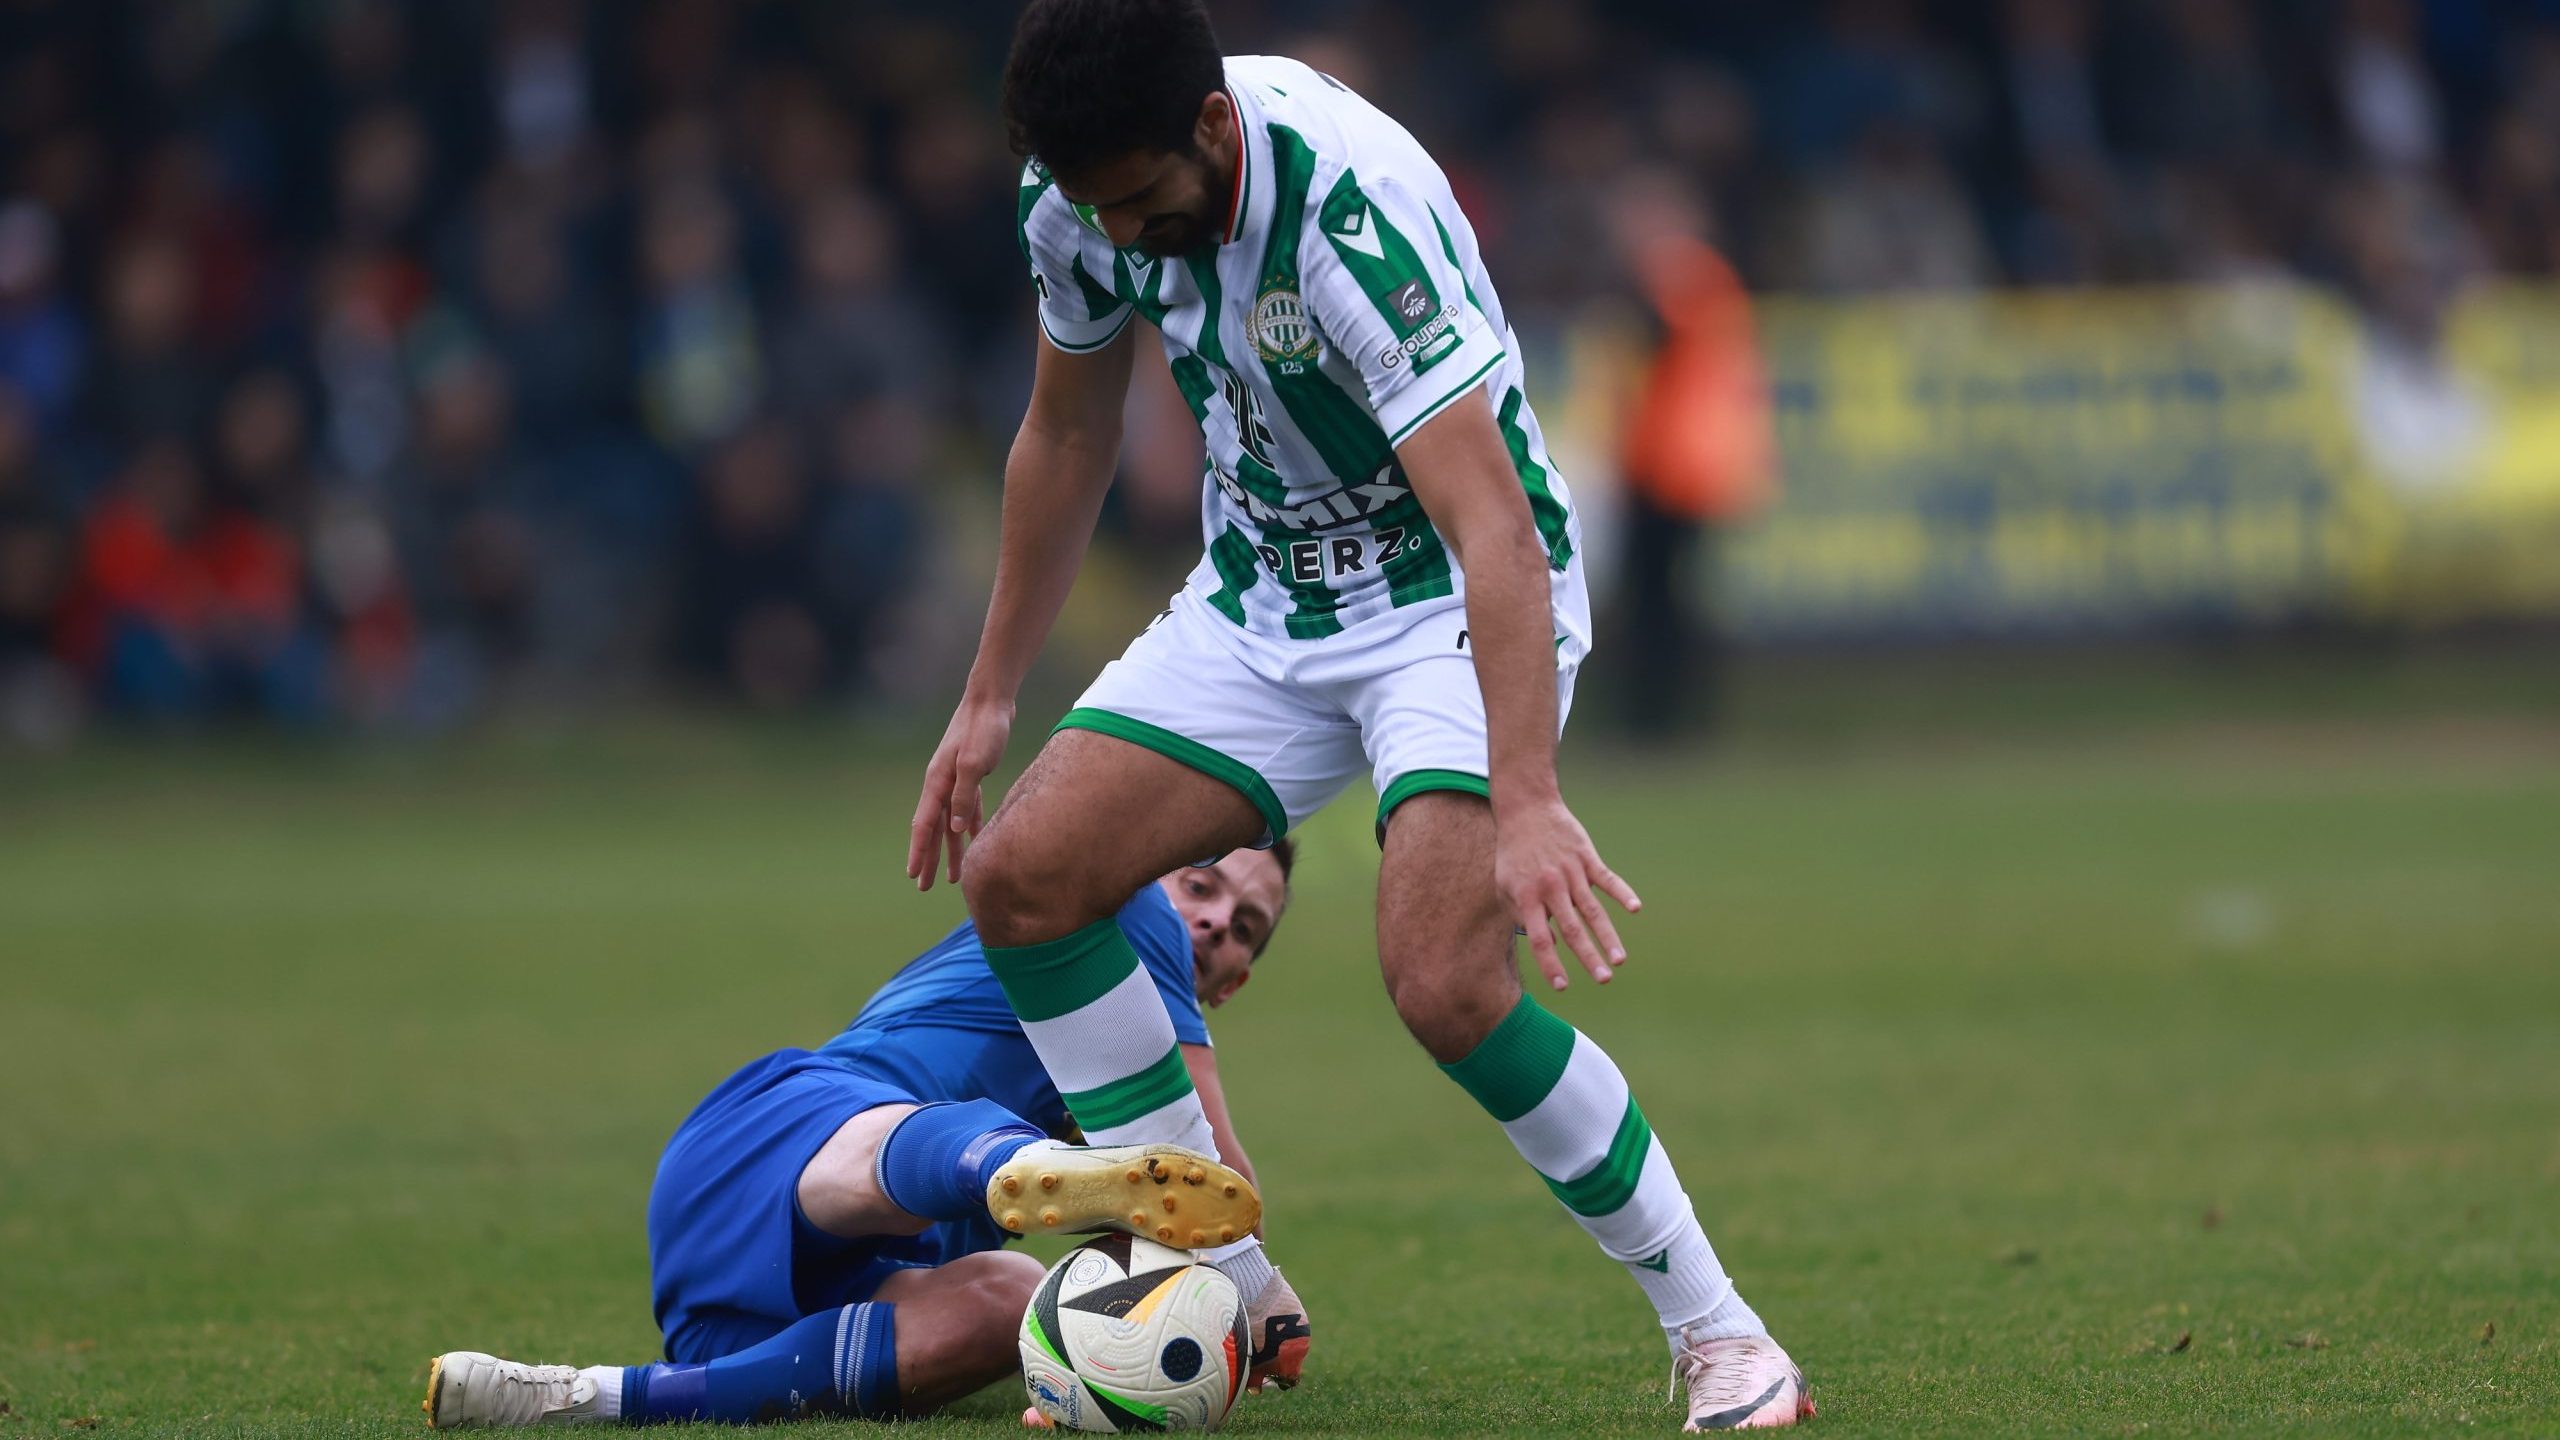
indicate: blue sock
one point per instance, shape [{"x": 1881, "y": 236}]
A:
[
  {"x": 842, "y": 1362},
  {"x": 938, "y": 1161}
]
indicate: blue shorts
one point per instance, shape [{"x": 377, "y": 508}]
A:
[{"x": 732, "y": 1260}]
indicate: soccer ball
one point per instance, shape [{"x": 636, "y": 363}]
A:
[{"x": 1127, "y": 1334}]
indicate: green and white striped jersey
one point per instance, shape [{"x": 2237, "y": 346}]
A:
[{"x": 1346, "y": 305}]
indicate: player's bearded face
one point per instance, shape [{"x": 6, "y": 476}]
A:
[
  {"x": 1166, "y": 205},
  {"x": 1191, "y": 223}
]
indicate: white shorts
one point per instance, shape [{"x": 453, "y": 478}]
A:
[{"x": 1290, "y": 723}]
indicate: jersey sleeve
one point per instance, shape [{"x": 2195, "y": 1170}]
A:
[
  {"x": 1077, "y": 311},
  {"x": 1163, "y": 943},
  {"x": 1386, "y": 288}
]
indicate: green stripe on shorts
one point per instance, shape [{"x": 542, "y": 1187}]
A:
[
  {"x": 1413, "y": 782},
  {"x": 1183, "y": 748}
]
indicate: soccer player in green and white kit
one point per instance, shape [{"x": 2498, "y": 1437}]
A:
[{"x": 1392, "y": 583}]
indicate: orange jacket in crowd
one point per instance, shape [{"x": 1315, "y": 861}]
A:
[{"x": 1699, "y": 445}]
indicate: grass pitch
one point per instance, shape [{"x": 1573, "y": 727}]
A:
[{"x": 2113, "y": 1089}]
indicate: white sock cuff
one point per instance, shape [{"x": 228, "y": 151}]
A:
[
  {"x": 1730, "y": 1320},
  {"x": 1689, "y": 1284},
  {"x": 1244, "y": 1263},
  {"x": 608, "y": 1380}
]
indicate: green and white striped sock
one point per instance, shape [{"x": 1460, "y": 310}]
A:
[
  {"x": 1567, "y": 1110},
  {"x": 1102, "y": 1032}
]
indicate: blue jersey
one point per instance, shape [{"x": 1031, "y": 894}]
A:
[{"x": 941, "y": 1029}]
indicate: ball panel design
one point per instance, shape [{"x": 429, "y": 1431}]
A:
[
  {"x": 1126, "y": 1334},
  {"x": 1239, "y": 1355},
  {"x": 1060, "y": 1396}
]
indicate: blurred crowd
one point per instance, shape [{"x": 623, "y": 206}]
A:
[{"x": 375, "y": 362}]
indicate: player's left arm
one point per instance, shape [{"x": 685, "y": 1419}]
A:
[
  {"x": 1277, "y": 1318},
  {"x": 1202, "y": 1062},
  {"x": 1385, "y": 284},
  {"x": 1163, "y": 944},
  {"x": 1544, "y": 862}
]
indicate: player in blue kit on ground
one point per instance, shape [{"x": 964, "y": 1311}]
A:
[{"x": 827, "y": 1228}]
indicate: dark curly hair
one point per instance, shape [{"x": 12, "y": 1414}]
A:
[
  {"x": 1089, "y": 81},
  {"x": 1284, "y": 850}
]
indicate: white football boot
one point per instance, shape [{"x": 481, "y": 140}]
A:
[
  {"x": 468, "y": 1389},
  {"x": 1746, "y": 1383},
  {"x": 1277, "y": 1320},
  {"x": 1162, "y": 1192}
]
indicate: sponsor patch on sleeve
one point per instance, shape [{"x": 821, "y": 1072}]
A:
[{"x": 1427, "y": 346}]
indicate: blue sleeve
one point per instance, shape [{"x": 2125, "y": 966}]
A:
[{"x": 1163, "y": 944}]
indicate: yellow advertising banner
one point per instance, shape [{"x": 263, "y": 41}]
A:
[{"x": 2079, "y": 462}]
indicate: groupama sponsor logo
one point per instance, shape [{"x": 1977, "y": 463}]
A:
[{"x": 1430, "y": 338}]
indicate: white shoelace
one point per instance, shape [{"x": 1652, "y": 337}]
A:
[
  {"x": 1711, "y": 1386},
  {"x": 529, "y": 1386}
]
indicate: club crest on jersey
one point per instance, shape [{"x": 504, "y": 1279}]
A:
[{"x": 1280, "y": 327}]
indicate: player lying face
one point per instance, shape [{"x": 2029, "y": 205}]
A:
[
  {"x": 1231, "y": 907},
  {"x": 1167, "y": 204}
]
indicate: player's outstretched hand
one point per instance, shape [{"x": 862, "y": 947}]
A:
[
  {"x": 951, "y": 808},
  {"x": 1548, "y": 871}
]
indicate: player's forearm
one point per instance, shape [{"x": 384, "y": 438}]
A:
[
  {"x": 1511, "y": 633},
  {"x": 1231, "y": 1153},
  {"x": 1463, "y": 474},
  {"x": 1231, "y": 1150},
  {"x": 1053, "y": 488},
  {"x": 1202, "y": 1062}
]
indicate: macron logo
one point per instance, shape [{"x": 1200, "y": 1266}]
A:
[{"x": 1355, "y": 233}]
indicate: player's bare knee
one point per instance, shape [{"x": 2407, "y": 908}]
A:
[
  {"x": 1003, "y": 889},
  {"x": 1450, "y": 1013},
  {"x": 1003, "y": 1290},
  {"x": 986, "y": 1308},
  {"x": 1024, "y": 892},
  {"x": 839, "y": 1188}
]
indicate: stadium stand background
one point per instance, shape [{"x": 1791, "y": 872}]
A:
[{"x": 380, "y": 365}]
